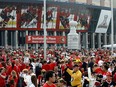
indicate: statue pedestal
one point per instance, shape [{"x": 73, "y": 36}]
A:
[{"x": 73, "y": 37}]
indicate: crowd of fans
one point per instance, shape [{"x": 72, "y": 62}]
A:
[{"x": 61, "y": 68}]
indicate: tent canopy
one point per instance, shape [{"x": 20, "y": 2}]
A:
[{"x": 109, "y": 46}]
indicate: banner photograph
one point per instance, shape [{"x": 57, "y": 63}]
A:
[
  {"x": 8, "y": 16},
  {"x": 83, "y": 17},
  {"x": 51, "y": 16},
  {"x": 29, "y": 16},
  {"x": 80, "y": 14},
  {"x": 65, "y": 15}
]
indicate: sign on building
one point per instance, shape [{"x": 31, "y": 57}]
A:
[
  {"x": 103, "y": 22},
  {"x": 50, "y": 39}
]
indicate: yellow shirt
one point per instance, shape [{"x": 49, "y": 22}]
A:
[{"x": 75, "y": 77}]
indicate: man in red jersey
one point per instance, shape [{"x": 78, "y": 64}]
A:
[
  {"x": 2, "y": 77},
  {"x": 50, "y": 78}
]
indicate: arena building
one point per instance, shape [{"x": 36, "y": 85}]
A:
[{"x": 21, "y": 22}]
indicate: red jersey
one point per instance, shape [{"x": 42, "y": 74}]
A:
[
  {"x": 52, "y": 65},
  {"x": 98, "y": 70},
  {"x": 46, "y": 85},
  {"x": 15, "y": 80},
  {"x": 2, "y": 80},
  {"x": 46, "y": 67},
  {"x": 1, "y": 65},
  {"x": 15, "y": 68},
  {"x": 114, "y": 77}
]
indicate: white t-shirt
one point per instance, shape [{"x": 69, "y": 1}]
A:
[
  {"x": 26, "y": 59},
  {"x": 27, "y": 79},
  {"x": 110, "y": 70},
  {"x": 100, "y": 62},
  {"x": 32, "y": 85}
]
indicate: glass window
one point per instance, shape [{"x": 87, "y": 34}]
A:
[
  {"x": 107, "y": 3},
  {"x": 96, "y": 2},
  {"x": 81, "y": 1}
]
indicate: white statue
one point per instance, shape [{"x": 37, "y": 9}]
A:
[
  {"x": 73, "y": 36},
  {"x": 73, "y": 25}
]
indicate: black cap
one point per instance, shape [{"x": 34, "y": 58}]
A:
[{"x": 75, "y": 66}]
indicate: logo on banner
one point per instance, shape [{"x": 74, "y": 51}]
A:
[
  {"x": 103, "y": 22},
  {"x": 29, "y": 38},
  {"x": 62, "y": 39}
]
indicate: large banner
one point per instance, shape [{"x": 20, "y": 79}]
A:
[
  {"x": 29, "y": 16},
  {"x": 80, "y": 14},
  {"x": 83, "y": 18},
  {"x": 8, "y": 16},
  {"x": 50, "y": 39},
  {"x": 66, "y": 15},
  {"x": 51, "y": 16},
  {"x": 103, "y": 22}
]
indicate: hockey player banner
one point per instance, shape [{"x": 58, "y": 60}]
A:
[
  {"x": 8, "y": 16},
  {"x": 81, "y": 14},
  {"x": 66, "y": 15},
  {"x": 103, "y": 22},
  {"x": 51, "y": 16},
  {"x": 29, "y": 16}
]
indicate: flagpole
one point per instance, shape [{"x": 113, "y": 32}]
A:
[
  {"x": 45, "y": 29},
  {"x": 112, "y": 27}
]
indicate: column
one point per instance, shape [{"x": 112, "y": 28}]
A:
[
  {"x": 109, "y": 39},
  {"x": 99, "y": 40},
  {"x": 26, "y": 45},
  {"x": 84, "y": 40},
  {"x": 46, "y": 39},
  {"x": 93, "y": 40},
  {"x": 11, "y": 40},
  {"x": 16, "y": 39},
  {"x": 64, "y": 35},
  {"x": 55, "y": 35},
  {"x": 39, "y": 35},
  {"x": 33, "y": 45},
  {"x": 105, "y": 39},
  {"x": 36, "y": 33},
  {"x": 115, "y": 39},
  {"x": 86, "y": 35},
  {"x": 6, "y": 39},
  {"x": 80, "y": 39},
  {"x": 2, "y": 38}
]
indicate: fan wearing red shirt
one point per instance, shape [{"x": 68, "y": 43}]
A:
[
  {"x": 97, "y": 69},
  {"x": 46, "y": 66},
  {"x": 52, "y": 64},
  {"x": 13, "y": 67},
  {"x": 2, "y": 77},
  {"x": 13, "y": 79},
  {"x": 50, "y": 78}
]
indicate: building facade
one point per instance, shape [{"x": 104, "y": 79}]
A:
[{"x": 23, "y": 20}]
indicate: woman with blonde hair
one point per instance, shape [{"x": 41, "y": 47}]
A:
[
  {"x": 13, "y": 79},
  {"x": 2, "y": 77}
]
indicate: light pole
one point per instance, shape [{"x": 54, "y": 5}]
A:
[
  {"x": 112, "y": 27},
  {"x": 44, "y": 29}
]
